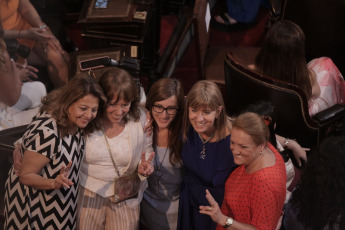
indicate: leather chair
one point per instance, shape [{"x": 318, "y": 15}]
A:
[
  {"x": 7, "y": 138},
  {"x": 244, "y": 87}
]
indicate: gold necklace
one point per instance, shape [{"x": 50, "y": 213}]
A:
[{"x": 204, "y": 142}]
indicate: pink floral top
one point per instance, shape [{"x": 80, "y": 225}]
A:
[{"x": 331, "y": 83}]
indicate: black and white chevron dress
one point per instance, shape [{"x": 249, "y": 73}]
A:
[{"x": 28, "y": 208}]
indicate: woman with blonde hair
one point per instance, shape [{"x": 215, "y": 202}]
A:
[{"x": 205, "y": 153}]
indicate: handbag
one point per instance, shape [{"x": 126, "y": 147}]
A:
[{"x": 125, "y": 186}]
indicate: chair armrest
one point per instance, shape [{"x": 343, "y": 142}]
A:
[{"x": 330, "y": 115}]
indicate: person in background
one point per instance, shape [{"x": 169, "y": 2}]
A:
[
  {"x": 255, "y": 191},
  {"x": 240, "y": 14},
  {"x": 282, "y": 56},
  {"x": 318, "y": 202},
  {"x": 20, "y": 97},
  {"x": 53, "y": 148},
  {"x": 205, "y": 153},
  {"x": 118, "y": 148},
  {"x": 159, "y": 207},
  {"x": 21, "y": 21}
]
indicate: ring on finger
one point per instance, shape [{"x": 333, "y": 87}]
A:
[{"x": 209, "y": 209}]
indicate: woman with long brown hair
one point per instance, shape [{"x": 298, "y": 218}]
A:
[
  {"x": 282, "y": 56},
  {"x": 159, "y": 208}
]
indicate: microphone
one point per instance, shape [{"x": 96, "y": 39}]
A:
[{"x": 98, "y": 63}]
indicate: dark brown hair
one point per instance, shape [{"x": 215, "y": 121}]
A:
[
  {"x": 118, "y": 82},
  {"x": 282, "y": 56},
  {"x": 162, "y": 90}
]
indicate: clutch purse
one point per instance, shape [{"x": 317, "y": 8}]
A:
[{"x": 126, "y": 187}]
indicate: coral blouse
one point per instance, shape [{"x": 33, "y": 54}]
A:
[{"x": 256, "y": 198}]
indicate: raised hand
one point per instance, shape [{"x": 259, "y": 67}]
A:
[
  {"x": 62, "y": 179},
  {"x": 213, "y": 210},
  {"x": 145, "y": 168}
]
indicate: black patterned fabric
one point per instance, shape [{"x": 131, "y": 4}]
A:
[{"x": 29, "y": 208}]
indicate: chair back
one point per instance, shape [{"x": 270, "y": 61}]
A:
[{"x": 244, "y": 87}]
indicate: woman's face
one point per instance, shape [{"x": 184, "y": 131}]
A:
[
  {"x": 243, "y": 148},
  {"x": 202, "y": 119},
  {"x": 83, "y": 111},
  {"x": 117, "y": 109},
  {"x": 169, "y": 107}
]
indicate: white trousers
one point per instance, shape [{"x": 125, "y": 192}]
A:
[{"x": 26, "y": 107}]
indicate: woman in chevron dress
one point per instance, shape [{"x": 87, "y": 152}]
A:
[{"x": 44, "y": 195}]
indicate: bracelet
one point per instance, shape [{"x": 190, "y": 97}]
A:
[{"x": 19, "y": 33}]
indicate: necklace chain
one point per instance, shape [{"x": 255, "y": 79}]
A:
[{"x": 204, "y": 142}]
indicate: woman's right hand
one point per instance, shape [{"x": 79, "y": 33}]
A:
[
  {"x": 62, "y": 179},
  {"x": 213, "y": 210}
]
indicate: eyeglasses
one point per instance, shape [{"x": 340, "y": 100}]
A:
[{"x": 160, "y": 109}]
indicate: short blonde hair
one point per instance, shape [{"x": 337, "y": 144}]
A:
[{"x": 254, "y": 125}]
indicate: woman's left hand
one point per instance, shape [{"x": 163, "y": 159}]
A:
[
  {"x": 28, "y": 73},
  {"x": 213, "y": 210},
  {"x": 145, "y": 168}
]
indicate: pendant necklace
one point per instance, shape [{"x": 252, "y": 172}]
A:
[
  {"x": 204, "y": 142},
  {"x": 158, "y": 172}
]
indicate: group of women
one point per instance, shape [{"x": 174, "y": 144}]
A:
[
  {"x": 198, "y": 169},
  {"x": 88, "y": 134}
]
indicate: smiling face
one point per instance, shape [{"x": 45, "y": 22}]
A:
[
  {"x": 83, "y": 111},
  {"x": 243, "y": 148},
  {"x": 164, "y": 119},
  {"x": 117, "y": 109},
  {"x": 202, "y": 120}
]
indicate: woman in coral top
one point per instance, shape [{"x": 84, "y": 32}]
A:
[
  {"x": 255, "y": 191},
  {"x": 21, "y": 21}
]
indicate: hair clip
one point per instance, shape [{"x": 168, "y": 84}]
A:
[{"x": 267, "y": 120}]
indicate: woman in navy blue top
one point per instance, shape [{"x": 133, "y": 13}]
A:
[{"x": 206, "y": 154}]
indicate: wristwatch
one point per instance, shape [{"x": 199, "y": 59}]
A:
[{"x": 229, "y": 221}]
